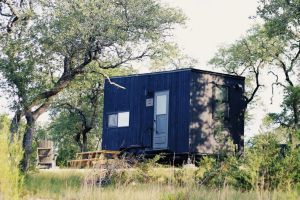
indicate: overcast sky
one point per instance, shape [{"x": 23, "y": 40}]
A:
[{"x": 212, "y": 23}]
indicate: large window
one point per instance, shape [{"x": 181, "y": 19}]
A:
[
  {"x": 120, "y": 119},
  {"x": 221, "y": 107}
]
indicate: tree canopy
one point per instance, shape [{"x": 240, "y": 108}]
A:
[
  {"x": 65, "y": 39},
  {"x": 272, "y": 49}
]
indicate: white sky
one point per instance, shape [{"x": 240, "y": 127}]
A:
[{"x": 212, "y": 23}]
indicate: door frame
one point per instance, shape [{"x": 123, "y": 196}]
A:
[{"x": 157, "y": 93}]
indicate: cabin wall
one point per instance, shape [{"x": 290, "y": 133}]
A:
[
  {"x": 204, "y": 134},
  {"x": 133, "y": 99}
]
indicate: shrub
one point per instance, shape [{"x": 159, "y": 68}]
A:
[
  {"x": 264, "y": 166},
  {"x": 10, "y": 156}
]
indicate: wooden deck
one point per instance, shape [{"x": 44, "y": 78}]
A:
[{"x": 92, "y": 158}]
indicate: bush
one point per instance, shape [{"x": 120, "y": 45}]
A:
[
  {"x": 10, "y": 157},
  {"x": 264, "y": 166}
]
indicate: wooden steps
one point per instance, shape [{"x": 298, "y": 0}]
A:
[
  {"x": 92, "y": 158},
  {"x": 45, "y": 155}
]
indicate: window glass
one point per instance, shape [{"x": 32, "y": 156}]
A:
[
  {"x": 221, "y": 110},
  {"x": 221, "y": 93},
  {"x": 123, "y": 119},
  {"x": 161, "y": 107},
  {"x": 113, "y": 120}
]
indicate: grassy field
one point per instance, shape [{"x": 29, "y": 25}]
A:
[{"x": 79, "y": 184}]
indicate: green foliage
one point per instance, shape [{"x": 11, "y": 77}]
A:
[
  {"x": 144, "y": 173},
  {"x": 272, "y": 50},
  {"x": 281, "y": 17},
  {"x": 65, "y": 40},
  {"x": 62, "y": 35},
  {"x": 11, "y": 179},
  {"x": 288, "y": 117},
  {"x": 65, "y": 184},
  {"x": 248, "y": 56},
  {"x": 51, "y": 183},
  {"x": 281, "y": 21},
  {"x": 265, "y": 165},
  {"x": 79, "y": 107},
  {"x": 172, "y": 58},
  {"x": 181, "y": 195},
  {"x": 62, "y": 131}
]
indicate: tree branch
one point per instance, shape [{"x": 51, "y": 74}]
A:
[
  {"x": 109, "y": 80},
  {"x": 285, "y": 70},
  {"x": 275, "y": 83},
  {"x": 81, "y": 114},
  {"x": 258, "y": 85},
  {"x": 296, "y": 56}
]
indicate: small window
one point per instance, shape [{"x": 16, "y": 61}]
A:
[
  {"x": 221, "y": 96},
  {"x": 113, "y": 120},
  {"x": 123, "y": 119},
  {"x": 221, "y": 93},
  {"x": 120, "y": 119}
]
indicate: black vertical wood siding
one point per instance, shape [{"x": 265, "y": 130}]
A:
[
  {"x": 133, "y": 99},
  {"x": 190, "y": 109},
  {"x": 203, "y": 128}
]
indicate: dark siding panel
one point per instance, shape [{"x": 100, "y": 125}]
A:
[
  {"x": 141, "y": 117},
  {"x": 202, "y": 124}
]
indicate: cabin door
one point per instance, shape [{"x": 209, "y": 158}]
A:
[{"x": 161, "y": 116}]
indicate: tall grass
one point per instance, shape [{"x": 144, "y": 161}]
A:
[
  {"x": 262, "y": 173},
  {"x": 10, "y": 156},
  {"x": 52, "y": 184},
  {"x": 165, "y": 184}
]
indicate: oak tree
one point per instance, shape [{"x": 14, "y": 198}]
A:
[{"x": 64, "y": 38}]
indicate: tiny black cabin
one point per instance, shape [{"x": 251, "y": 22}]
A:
[{"x": 187, "y": 111}]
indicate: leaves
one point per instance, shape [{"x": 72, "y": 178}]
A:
[
  {"x": 65, "y": 37},
  {"x": 172, "y": 58},
  {"x": 281, "y": 17}
]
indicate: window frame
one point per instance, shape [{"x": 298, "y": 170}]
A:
[
  {"x": 117, "y": 119},
  {"x": 108, "y": 117},
  {"x": 225, "y": 101}
]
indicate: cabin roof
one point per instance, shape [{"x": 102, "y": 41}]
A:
[{"x": 181, "y": 70}]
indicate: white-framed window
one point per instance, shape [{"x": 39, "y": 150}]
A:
[
  {"x": 123, "y": 119},
  {"x": 113, "y": 120},
  {"x": 120, "y": 119}
]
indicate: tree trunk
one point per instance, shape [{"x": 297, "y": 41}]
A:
[
  {"x": 84, "y": 140},
  {"x": 78, "y": 141},
  {"x": 295, "y": 121},
  {"x": 27, "y": 141},
  {"x": 14, "y": 126},
  {"x": 295, "y": 111}
]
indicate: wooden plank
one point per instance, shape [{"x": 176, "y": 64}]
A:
[
  {"x": 82, "y": 160},
  {"x": 99, "y": 152},
  {"x": 93, "y": 158},
  {"x": 45, "y": 163},
  {"x": 43, "y": 148},
  {"x": 87, "y": 162}
]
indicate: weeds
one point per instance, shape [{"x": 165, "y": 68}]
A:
[{"x": 10, "y": 155}]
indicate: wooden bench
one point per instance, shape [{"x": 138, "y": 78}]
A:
[{"x": 91, "y": 158}]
